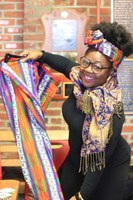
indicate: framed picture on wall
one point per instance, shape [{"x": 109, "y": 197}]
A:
[
  {"x": 67, "y": 89},
  {"x": 64, "y": 31},
  {"x": 64, "y": 35},
  {"x": 64, "y": 88}
]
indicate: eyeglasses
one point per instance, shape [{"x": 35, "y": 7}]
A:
[{"x": 95, "y": 67}]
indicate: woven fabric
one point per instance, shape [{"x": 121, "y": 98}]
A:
[{"x": 26, "y": 91}]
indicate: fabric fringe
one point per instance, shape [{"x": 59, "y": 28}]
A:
[
  {"x": 96, "y": 161},
  {"x": 118, "y": 112},
  {"x": 92, "y": 162},
  {"x": 118, "y": 109},
  {"x": 87, "y": 106}
]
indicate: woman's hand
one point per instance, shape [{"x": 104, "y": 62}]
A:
[
  {"x": 31, "y": 55},
  {"x": 73, "y": 198}
]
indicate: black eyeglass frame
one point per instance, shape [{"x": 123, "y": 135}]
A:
[{"x": 92, "y": 64}]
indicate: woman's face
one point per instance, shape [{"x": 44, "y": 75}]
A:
[{"x": 91, "y": 79}]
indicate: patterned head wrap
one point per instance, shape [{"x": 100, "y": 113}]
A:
[{"x": 97, "y": 41}]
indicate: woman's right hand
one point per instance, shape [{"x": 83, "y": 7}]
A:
[{"x": 31, "y": 55}]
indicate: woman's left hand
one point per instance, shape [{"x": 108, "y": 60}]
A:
[{"x": 31, "y": 55}]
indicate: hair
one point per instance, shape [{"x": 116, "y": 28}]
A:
[{"x": 117, "y": 35}]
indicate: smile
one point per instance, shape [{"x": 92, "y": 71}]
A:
[{"x": 88, "y": 77}]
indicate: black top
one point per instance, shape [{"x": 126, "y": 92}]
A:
[{"x": 117, "y": 150}]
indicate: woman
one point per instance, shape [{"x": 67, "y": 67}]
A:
[{"x": 98, "y": 162}]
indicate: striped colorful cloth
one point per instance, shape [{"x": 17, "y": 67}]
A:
[{"x": 26, "y": 90}]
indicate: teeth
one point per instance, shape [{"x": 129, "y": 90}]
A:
[{"x": 88, "y": 77}]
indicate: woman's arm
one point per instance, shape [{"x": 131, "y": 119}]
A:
[{"x": 56, "y": 62}]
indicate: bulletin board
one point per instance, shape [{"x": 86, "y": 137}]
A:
[
  {"x": 125, "y": 78},
  {"x": 122, "y": 12}
]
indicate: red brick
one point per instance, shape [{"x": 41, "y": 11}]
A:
[
  {"x": 2, "y": 54},
  {"x": 86, "y": 3},
  {"x": 2, "y": 108},
  {"x": 34, "y": 37},
  {"x": 131, "y": 144},
  {"x": 7, "y": 6},
  {"x": 92, "y": 21},
  {"x": 13, "y": 1},
  {"x": 55, "y": 128},
  {"x": 18, "y": 38},
  {"x": 105, "y": 18},
  {"x": 2, "y": 124},
  {"x": 5, "y": 22},
  {"x": 13, "y": 30},
  {"x": 127, "y": 129},
  {"x": 52, "y": 112},
  {"x": 19, "y": 22},
  {"x": 131, "y": 121},
  {"x": 81, "y": 10},
  {"x": 20, "y": 6},
  {"x": 5, "y": 37},
  {"x": 92, "y": 11},
  {"x": 56, "y": 104},
  {"x": 39, "y": 28},
  {"x": 13, "y": 46},
  {"x": 3, "y": 116},
  {"x": 14, "y": 14},
  {"x": 61, "y": 2},
  {"x": 29, "y": 28},
  {"x": 56, "y": 121},
  {"x": 105, "y": 2},
  {"x": 125, "y": 136},
  {"x": 105, "y": 11},
  {"x": 29, "y": 11},
  {"x": 132, "y": 137},
  {"x": 29, "y": 45}
]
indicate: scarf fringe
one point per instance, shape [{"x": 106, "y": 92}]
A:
[
  {"x": 94, "y": 162},
  {"x": 87, "y": 106},
  {"x": 118, "y": 112}
]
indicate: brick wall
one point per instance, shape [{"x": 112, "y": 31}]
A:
[
  {"x": 11, "y": 26},
  {"x": 21, "y": 28}
]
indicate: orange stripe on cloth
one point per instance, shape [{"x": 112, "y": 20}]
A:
[{"x": 29, "y": 147}]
